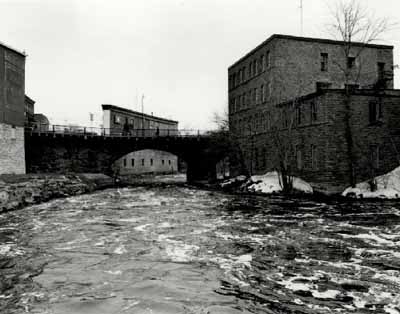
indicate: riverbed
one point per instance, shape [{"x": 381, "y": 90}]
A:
[{"x": 172, "y": 249}]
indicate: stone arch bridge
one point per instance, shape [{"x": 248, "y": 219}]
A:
[{"x": 55, "y": 152}]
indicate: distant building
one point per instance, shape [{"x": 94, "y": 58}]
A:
[
  {"x": 41, "y": 122},
  {"x": 295, "y": 84},
  {"x": 117, "y": 120},
  {"x": 29, "y": 111},
  {"x": 147, "y": 161},
  {"x": 121, "y": 121},
  {"x": 12, "y": 108}
]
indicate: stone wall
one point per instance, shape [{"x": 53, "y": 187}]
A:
[
  {"x": 12, "y": 151},
  {"x": 322, "y": 142},
  {"x": 19, "y": 191}
]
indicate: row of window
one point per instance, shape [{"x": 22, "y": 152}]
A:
[
  {"x": 310, "y": 157},
  {"x": 314, "y": 158},
  {"x": 254, "y": 96},
  {"x": 314, "y": 161},
  {"x": 255, "y": 67},
  {"x": 143, "y": 162},
  {"x": 286, "y": 117}
]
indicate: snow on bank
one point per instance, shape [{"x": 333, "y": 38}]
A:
[
  {"x": 387, "y": 186},
  {"x": 267, "y": 183},
  {"x": 270, "y": 183}
]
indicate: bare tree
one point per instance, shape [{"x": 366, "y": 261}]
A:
[{"x": 353, "y": 23}]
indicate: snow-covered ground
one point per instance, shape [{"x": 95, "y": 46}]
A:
[
  {"x": 388, "y": 186},
  {"x": 268, "y": 183}
]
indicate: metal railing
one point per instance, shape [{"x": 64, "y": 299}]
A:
[{"x": 111, "y": 132}]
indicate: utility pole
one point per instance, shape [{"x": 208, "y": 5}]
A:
[{"x": 143, "y": 113}]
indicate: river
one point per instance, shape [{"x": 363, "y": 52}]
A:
[{"x": 172, "y": 249}]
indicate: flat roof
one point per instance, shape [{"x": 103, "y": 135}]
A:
[
  {"x": 308, "y": 39},
  {"x": 137, "y": 113},
  {"x": 12, "y": 49}
]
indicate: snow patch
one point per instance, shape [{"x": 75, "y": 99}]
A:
[
  {"x": 387, "y": 186},
  {"x": 270, "y": 183}
]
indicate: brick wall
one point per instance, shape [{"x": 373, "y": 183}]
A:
[
  {"x": 322, "y": 142},
  {"x": 293, "y": 70},
  {"x": 12, "y": 151}
]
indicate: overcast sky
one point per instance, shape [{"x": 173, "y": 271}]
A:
[{"x": 83, "y": 53}]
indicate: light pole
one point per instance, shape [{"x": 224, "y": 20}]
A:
[{"x": 143, "y": 114}]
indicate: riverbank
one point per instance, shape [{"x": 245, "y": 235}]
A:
[{"x": 18, "y": 191}]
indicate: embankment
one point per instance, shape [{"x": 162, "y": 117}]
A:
[{"x": 17, "y": 191}]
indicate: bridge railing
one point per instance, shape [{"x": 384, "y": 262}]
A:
[{"x": 111, "y": 132}]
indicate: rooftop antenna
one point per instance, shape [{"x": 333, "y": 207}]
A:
[{"x": 301, "y": 17}]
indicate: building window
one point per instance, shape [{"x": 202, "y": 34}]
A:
[
  {"x": 314, "y": 158},
  {"x": 324, "y": 62},
  {"x": 262, "y": 92},
  {"x": 351, "y": 62},
  {"x": 264, "y": 158},
  {"x": 169, "y": 162},
  {"x": 256, "y": 94},
  {"x": 117, "y": 119},
  {"x": 299, "y": 158},
  {"x": 268, "y": 59},
  {"x": 323, "y": 85},
  {"x": 375, "y": 111},
  {"x": 142, "y": 162},
  {"x": 351, "y": 87},
  {"x": 314, "y": 112},
  {"x": 298, "y": 114},
  {"x": 263, "y": 63},
  {"x": 374, "y": 156},
  {"x": 151, "y": 162},
  {"x": 133, "y": 162},
  {"x": 162, "y": 162},
  {"x": 250, "y": 69},
  {"x": 124, "y": 162},
  {"x": 381, "y": 70}
]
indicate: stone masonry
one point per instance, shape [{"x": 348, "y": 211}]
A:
[{"x": 12, "y": 151}]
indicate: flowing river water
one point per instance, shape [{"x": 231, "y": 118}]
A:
[{"x": 181, "y": 250}]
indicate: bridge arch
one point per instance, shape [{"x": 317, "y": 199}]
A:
[{"x": 147, "y": 161}]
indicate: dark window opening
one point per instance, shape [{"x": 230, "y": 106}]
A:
[
  {"x": 299, "y": 158},
  {"x": 124, "y": 162},
  {"x": 162, "y": 161},
  {"x": 323, "y": 85},
  {"x": 374, "y": 156},
  {"x": 314, "y": 157},
  {"x": 151, "y": 162},
  {"x": 324, "y": 62},
  {"x": 314, "y": 112},
  {"x": 375, "y": 111},
  {"x": 169, "y": 162},
  {"x": 351, "y": 62},
  {"x": 381, "y": 70},
  {"x": 142, "y": 162},
  {"x": 133, "y": 162},
  {"x": 298, "y": 115},
  {"x": 351, "y": 87}
]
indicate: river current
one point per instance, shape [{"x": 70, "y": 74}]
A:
[{"x": 181, "y": 250}]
